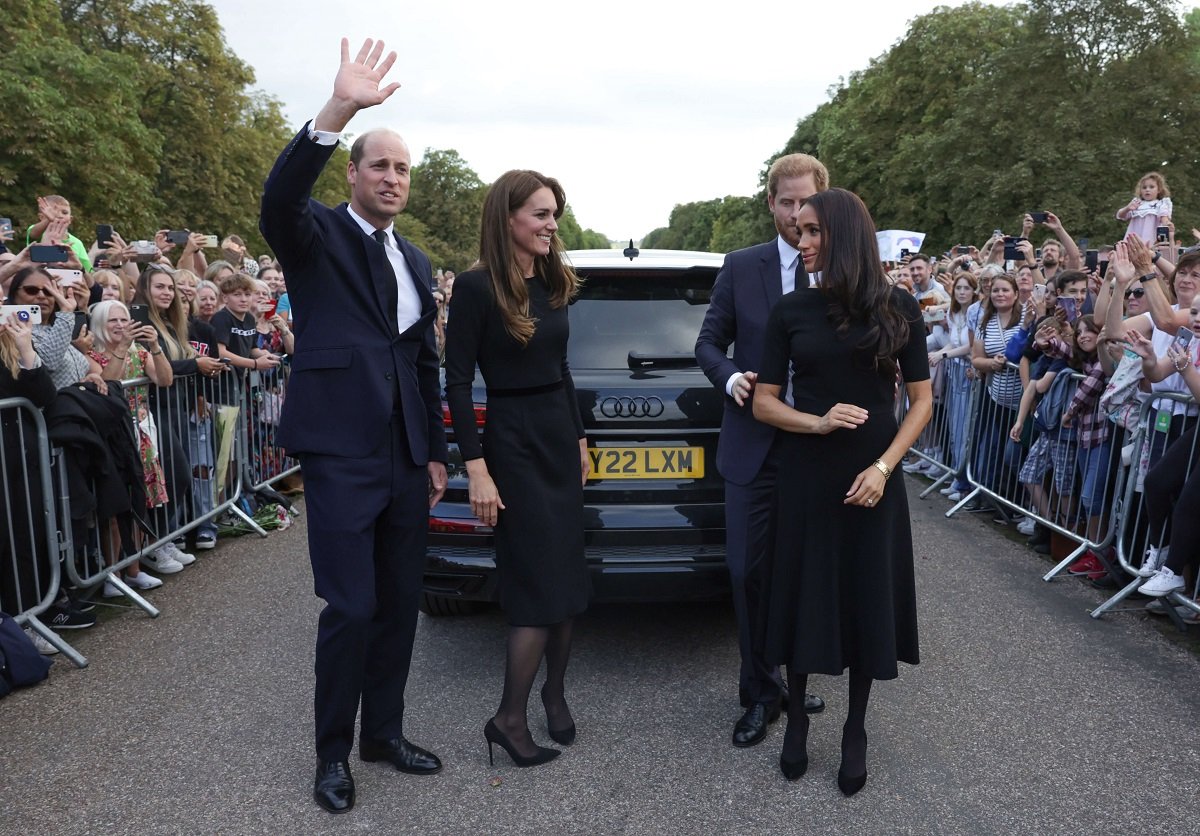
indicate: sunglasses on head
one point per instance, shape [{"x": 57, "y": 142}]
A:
[{"x": 1136, "y": 293}]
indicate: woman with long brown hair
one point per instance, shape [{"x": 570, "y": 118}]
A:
[
  {"x": 509, "y": 315},
  {"x": 839, "y": 587}
]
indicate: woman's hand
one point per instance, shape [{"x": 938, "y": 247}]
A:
[
  {"x": 144, "y": 334},
  {"x": 1139, "y": 345},
  {"x": 84, "y": 343},
  {"x": 999, "y": 362},
  {"x": 867, "y": 488},
  {"x": 485, "y": 499},
  {"x": 935, "y": 357},
  {"x": 1180, "y": 358},
  {"x": 66, "y": 303},
  {"x": 585, "y": 461},
  {"x": 101, "y": 384},
  {"x": 842, "y": 416},
  {"x": 22, "y": 336},
  {"x": 1140, "y": 254}
]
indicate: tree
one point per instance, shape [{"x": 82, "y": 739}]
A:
[{"x": 447, "y": 196}]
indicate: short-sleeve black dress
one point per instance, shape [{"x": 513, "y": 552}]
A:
[
  {"x": 839, "y": 586},
  {"x": 531, "y": 445}
]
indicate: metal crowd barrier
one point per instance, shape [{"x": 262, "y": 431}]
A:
[
  {"x": 1046, "y": 476},
  {"x": 264, "y": 402},
  {"x": 1134, "y": 534},
  {"x": 942, "y": 444},
  {"x": 29, "y": 550}
]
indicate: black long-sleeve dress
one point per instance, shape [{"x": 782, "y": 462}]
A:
[
  {"x": 530, "y": 443},
  {"x": 841, "y": 591}
]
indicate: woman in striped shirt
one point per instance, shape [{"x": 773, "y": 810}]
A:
[{"x": 999, "y": 323}]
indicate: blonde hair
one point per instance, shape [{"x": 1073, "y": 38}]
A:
[
  {"x": 9, "y": 353},
  {"x": 172, "y": 328},
  {"x": 1159, "y": 181},
  {"x": 797, "y": 165}
]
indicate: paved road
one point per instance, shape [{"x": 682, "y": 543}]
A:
[{"x": 1025, "y": 716}]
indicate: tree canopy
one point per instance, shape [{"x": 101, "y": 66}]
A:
[
  {"x": 981, "y": 113},
  {"x": 139, "y": 113}
]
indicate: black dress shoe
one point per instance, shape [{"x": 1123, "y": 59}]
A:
[
  {"x": 752, "y": 728},
  {"x": 403, "y": 755},
  {"x": 333, "y": 788},
  {"x": 813, "y": 704}
]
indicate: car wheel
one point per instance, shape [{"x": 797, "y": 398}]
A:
[{"x": 437, "y": 606}]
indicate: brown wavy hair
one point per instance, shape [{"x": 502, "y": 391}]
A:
[
  {"x": 496, "y": 253},
  {"x": 172, "y": 328},
  {"x": 853, "y": 279}
]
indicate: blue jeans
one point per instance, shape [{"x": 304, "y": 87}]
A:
[
  {"x": 994, "y": 450},
  {"x": 957, "y": 393}
]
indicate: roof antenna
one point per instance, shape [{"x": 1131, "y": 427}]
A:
[{"x": 631, "y": 252}]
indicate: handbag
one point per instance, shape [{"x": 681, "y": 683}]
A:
[{"x": 20, "y": 662}]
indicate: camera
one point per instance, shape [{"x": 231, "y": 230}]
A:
[
  {"x": 1039, "y": 217},
  {"x": 962, "y": 250},
  {"x": 144, "y": 250}
]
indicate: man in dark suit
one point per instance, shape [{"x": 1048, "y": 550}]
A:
[
  {"x": 363, "y": 414},
  {"x": 749, "y": 284}
]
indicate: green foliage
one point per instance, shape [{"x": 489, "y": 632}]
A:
[
  {"x": 139, "y": 113},
  {"x": 719, "y": 225},
  {"x": 575, "y": 237},
  {"x": 982, "y": 113}
]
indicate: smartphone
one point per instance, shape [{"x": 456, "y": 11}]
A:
[
  {"x": 962, "y": 250},
  {"x": 211, "y": 242},
  {"x": 1163, "y": 234},
  {"x": 140, "y": 314},
  {"x": 903, "y": 254},
  {"x": 268, "y": 308},
  {"x": 997, "y": 233},
  {"x": 1039, "y": 292},
  {"x": 104, "y": 235},
  {"x": 24, "y": 313},
  {"x": 1039, "y": 217},
  {"x": 1011, "y": 253},
  {"x": 1067, "y": 303},
  {"x": 1038, "y": 253},
  {"x": 178, "y": 237},
  {"x": 226, "y": 361},
  {"x": 1083, "y": 243},
  {"x": 1182, "y": 339},
  {"x": 1103, "y": 268},
  {"x": 1090, "y": 259},
  {"x": 66, "y": 278},
  {"x": 81, "y": 319},
  {"x": 49, "y": 253},
  {"x": 5, "y": 228}
]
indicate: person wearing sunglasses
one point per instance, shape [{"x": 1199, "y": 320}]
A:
[{"x": 54, "y": 338}]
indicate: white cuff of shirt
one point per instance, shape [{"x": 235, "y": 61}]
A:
[
  {"x": 322, "y": 137},
  {"x": 37, "y": 362},
  {"x": 729, "y": 383}
]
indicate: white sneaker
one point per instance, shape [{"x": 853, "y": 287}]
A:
[
  {"x": 946, "y": 491},
  {"x": 43, "y": 647},
  {"x": 1026, "y": 526},
  {"x": 144, "y": 580},
  {"x": 1155, "y": 558},
  {"x": 179, "y": 554},
  {"x": 1162, "y": 583},
  {"x": 915, "y": 466},
  {"x": 162, "y": 561},
  {"x": 954, "y": 496},
  {"x": 110, "y": 591}
]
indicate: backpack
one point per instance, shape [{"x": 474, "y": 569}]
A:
[
  {"x": 20, "y": 662},
  {"x": 1047, "y": 418}
]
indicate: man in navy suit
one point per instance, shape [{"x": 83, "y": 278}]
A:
[
  {"x": 749, "y": 284},
  {"x": 363, "y": 415}
]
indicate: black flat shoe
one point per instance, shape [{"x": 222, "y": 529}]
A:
[
  {"x": 792, "y": 770},
  {"x": 333, "y": 788},
  {"x": 493, "y": 735},
  {"x": 752, "y": 728},
  {"x": 563, "y": 737},
  {"x": 849, "y": 786},
  {"x": 813, "y": 704},
  {"x": 403, "y": 755}
]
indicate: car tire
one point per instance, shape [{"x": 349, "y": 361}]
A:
[{"x": 437, "y": 606}]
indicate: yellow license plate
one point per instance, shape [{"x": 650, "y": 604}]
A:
[{"x": 646, "y": 462}]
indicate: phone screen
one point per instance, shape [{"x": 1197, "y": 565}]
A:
[
  {"x": 1183, "y": 339},
  {"x": 1067, "y": 303},
  {"x": 81, "y": 319},
  {"x": 140, "y": 314}
]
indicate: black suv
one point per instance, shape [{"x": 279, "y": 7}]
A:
[{"x": 654, "y": 504}]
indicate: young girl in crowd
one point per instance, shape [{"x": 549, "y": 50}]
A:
[
  {"x": 955, "y": 354},
  {"x": 1149, "y": 209}
]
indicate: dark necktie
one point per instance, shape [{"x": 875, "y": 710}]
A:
[{"x": 380, "y": 236}]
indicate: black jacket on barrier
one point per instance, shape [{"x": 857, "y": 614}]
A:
[{"x": 104, "y": 468}]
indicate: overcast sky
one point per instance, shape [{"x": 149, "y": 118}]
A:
[{"x": 633, "y": 106}]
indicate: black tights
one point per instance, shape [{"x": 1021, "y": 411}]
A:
[
  {"x": 854, "y": 732},
  {"x": 1173, "y": 496},
  {"x": 526, "y": 647}
]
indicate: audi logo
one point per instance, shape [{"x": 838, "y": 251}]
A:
[{"x": 631, "y": 407}]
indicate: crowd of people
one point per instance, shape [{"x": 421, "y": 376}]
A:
[
  {"x": 1070, "y": 343},
  {"x": 207, "y": 343}
]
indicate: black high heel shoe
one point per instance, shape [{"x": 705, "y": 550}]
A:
[
  {"x": 850, "y": 785},
  {"x": 493, "y": 735},
  {"x": 563, "y": 737}
]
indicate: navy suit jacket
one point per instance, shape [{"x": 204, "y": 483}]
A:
[
  {"x": 352, "y": 369},
  {"x": 746, "y": 289}
]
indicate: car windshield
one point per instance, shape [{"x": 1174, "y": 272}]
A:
[{"x": 647, "y": 313}]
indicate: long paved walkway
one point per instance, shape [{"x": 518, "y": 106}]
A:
[{"x": 1025, "y": 716}]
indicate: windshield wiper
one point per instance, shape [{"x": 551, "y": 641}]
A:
[{"x": 680, "y": 360}]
